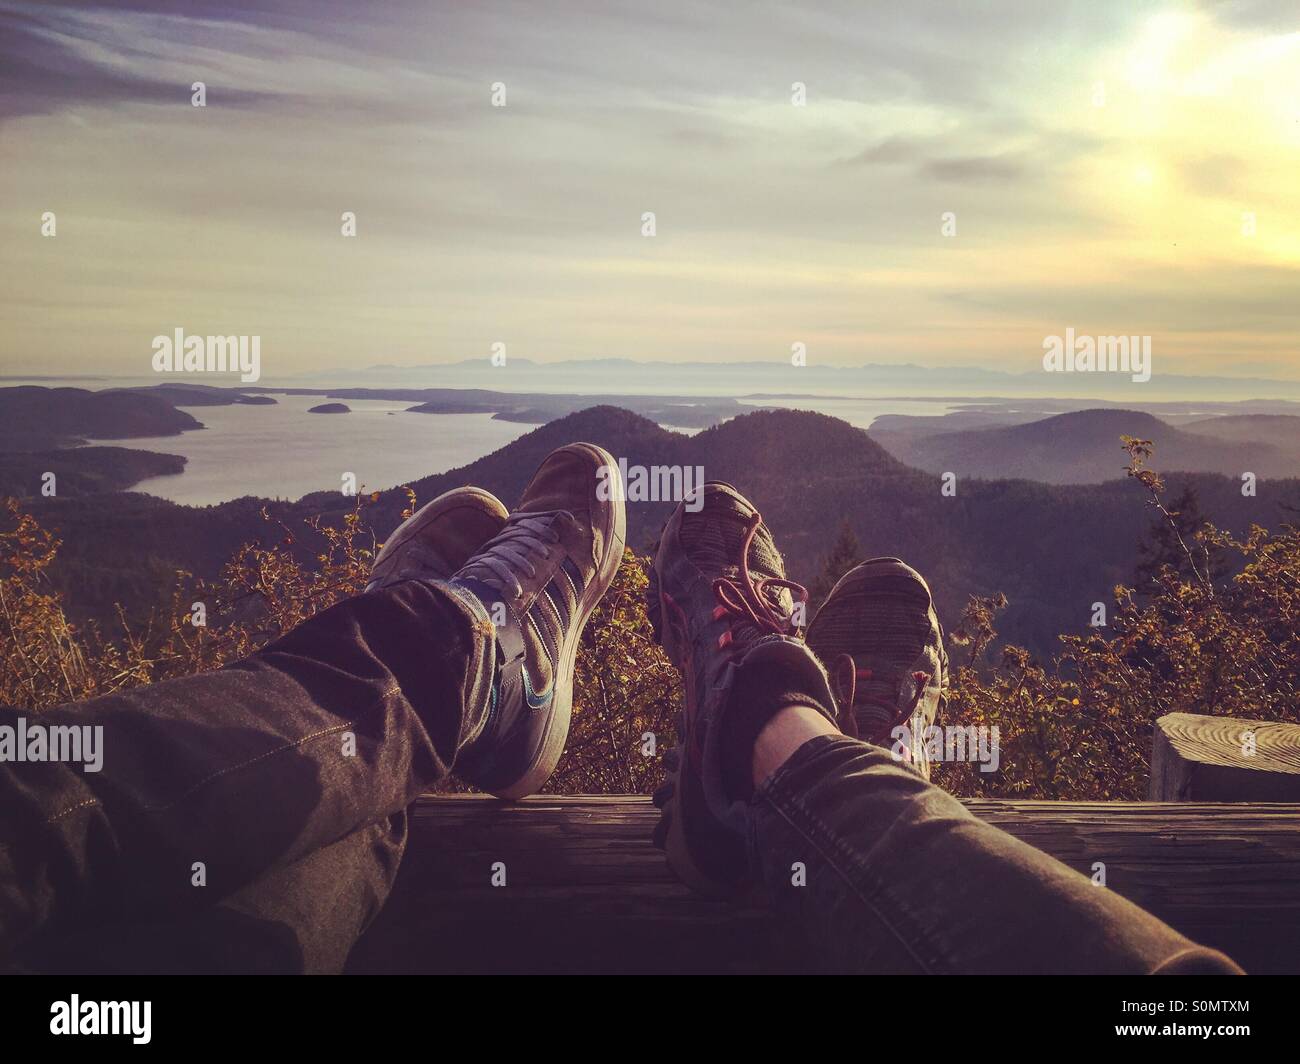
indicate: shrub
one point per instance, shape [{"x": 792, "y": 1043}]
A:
[
  {"x": 1197, "y": 641},
  {"x": 1215, "y": 630}
]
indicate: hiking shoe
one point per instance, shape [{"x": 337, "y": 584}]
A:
[
  {"x": 438, "y": 538},
  {"x": 880, "y": 640},
  {"x": 537, "y": 581},
  {"x": 720, "y": 603}
]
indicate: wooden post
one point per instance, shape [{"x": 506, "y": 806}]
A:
[{"x": 1198, "y": 758}]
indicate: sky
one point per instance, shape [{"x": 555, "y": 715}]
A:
[{"x": 1112, "y": 166}]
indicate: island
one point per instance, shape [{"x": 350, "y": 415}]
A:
[
  {"x": 35, "y": 418},
  {"x": 331, "y": 408}
]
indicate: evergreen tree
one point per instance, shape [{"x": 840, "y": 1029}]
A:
[
  {"x": 1172, "y": 542},
  {"x": 844, "y": 554}
]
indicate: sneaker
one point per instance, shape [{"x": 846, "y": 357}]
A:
[
  {"x": 538, "y": 581},
  {"x": 719, "y": 602},
  {"x": 880, "y": 640},
  {"x": 438, "y": 538}
]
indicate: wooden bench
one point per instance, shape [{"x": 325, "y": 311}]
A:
[{"x": 586, "y": 892}]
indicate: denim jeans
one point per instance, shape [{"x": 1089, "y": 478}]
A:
[
  {"x": 884, "y": 872},
  {"x": 280, "y": 783},
  {"x": 253, "y": 819}
]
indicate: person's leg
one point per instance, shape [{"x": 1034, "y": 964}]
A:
[
  {"x": 302, "y": 918},
  {"x": 897, "y": 876},
  {"x": 209, "y": 782},
  {"x": 213, "y": 781},
  {"x": 881, "y": 870}
]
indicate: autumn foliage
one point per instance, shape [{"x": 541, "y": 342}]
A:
[
  {"x": 626, "y": 694},
  {"x": 1214, "y": 628},
  {"x": 1079, "y": 726}
]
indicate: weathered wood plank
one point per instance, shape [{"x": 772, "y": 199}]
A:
[
  {"x": 1197, "y": 758},
  {"x": 587, "y": 892}
]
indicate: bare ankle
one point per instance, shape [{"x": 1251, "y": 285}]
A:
[{"x": 788, "y": 730}]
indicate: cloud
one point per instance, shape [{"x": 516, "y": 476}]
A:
[
  {"x": 1219, "y": 174},
  {"x": 56, "y": 59},
  {"x": 927, "y": 161},
  {"x": 890, "y": 151},
  {"x": 974, "y": 168},
  {"x": 774, "y": 221}
]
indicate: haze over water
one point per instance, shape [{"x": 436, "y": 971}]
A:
[{"x": 282, "y": 451}]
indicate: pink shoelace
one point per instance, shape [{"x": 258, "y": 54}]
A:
[{"x": 744, "y": 600}]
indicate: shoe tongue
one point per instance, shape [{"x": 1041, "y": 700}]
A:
[
  {"x": 714, "y": 546},
  {"x": 510, "y": 535},
  {"x": 778, "y": 600},
  {"x": 560, "y": 483},
  {"x": 872, "y": 717}
]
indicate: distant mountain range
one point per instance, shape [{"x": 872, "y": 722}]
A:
[
  {"x": 1054, "y": 550},
  {"x": 991, "y": 440},
  {"x": 1281, "y": 430},
  {"x": 1084, "y": 447},
  {"x": 778, "y": 377}
]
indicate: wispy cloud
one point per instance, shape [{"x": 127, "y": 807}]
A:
[{"x": 523, "y": 223}]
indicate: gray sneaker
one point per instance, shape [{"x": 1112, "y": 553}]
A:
[
  {"x": 537, "y": 582},
  {"x": 439, "y": 538}
]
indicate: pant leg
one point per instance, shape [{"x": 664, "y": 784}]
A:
[
  {"x": 211, "y": 781},
  {"x": 901, "y": 878},
  {"x": 302, "y": 918}
]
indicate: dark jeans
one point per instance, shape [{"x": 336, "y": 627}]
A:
[
  {"x": 282, "y": 782},
  {"x": 901, "y": 878},
  {"x": 286, "y": 775}
]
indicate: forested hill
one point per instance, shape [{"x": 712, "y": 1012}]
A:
[
  {"x": 1080, "y": 447},
  {"x": 34, "y": 418},
  {"x": 83, "y": 470},
  {"x": 1054, "y": 550}
]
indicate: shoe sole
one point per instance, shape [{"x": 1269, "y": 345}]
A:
[
  {"x": 875, "y": 569},
  {"x": 864, "y": 572},
  {"x": 677, "y": 849},
  {"x": 614, "y": 535}
]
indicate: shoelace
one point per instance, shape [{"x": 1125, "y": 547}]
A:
[
  {"x": 744, "y": 600},
  {"x": 511, "y": 551},
  {"x": 846, "y": 676}
]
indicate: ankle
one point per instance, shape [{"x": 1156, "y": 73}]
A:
[
  {"x": 482, "y": 674},
  {"x": 792, "y": 726},
  {"x": 761, "y": 694}
]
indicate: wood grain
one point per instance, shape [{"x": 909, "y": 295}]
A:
[
  {"x": 1199, "y": 758},
  {"x": 586, "y": 892}
]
